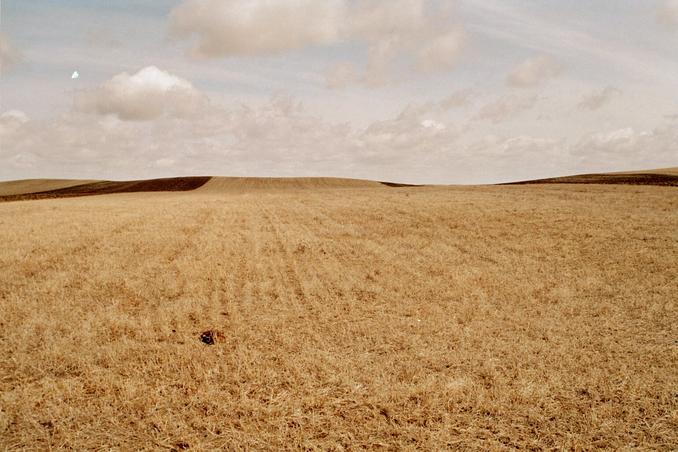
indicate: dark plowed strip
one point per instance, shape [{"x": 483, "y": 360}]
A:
[
  {"x": 666, "y": 180},
  {"x": 110, "y": 187},
  {"x": 396, "y": 185}
]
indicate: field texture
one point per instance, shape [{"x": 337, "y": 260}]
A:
[
  {"x": 20, "y": 187},
  {"x": 289, "y": 317}
]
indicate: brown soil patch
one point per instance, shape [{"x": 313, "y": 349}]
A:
[
  {"x": 617, "y": 179},
  {"x": 397, "y": 185},
  {"x": 108, "y": 187}
]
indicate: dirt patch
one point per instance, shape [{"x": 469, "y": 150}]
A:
[
  {"x": 617, "y": 179},
  {"x": 397, "y": 185},
  {"x": 110, "y": 187}
]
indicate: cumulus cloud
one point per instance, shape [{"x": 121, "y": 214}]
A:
[
  {"x": 389, "y": 29},
  {"x": 148, "y": 94},
  {"x": 597, "y": 100},
  {"x": 534, "y": 71},
  {"x": 627, "y": 148},
  {"x": 416, "y": 30},
  {"x": 667, "y": 14},
  {"x": 9, "y": 55},
  {"x": 425, "y": 143},
  {"x": 374, "y": 19},
  {"x": 11, "y": 120},
  {"x": 416, "y": 135},
  {"x": 506, "y": 108},
  {"x": 256, "y": 27},
  {"x": 275, "y": 138}
]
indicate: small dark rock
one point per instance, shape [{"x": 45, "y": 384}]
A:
[{"x": 207, "y": 337}]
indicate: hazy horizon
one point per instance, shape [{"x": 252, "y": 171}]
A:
[{"x": 412, "y": 91}]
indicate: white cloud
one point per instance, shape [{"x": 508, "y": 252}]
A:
[
  {"x": 667, "y": 14},
  {"x": 411, "y": 142},
  {"x": 388, "y": 29},
  {"x": 278, "y": 138},
  {"x": 376, "y": 19},
  {"x": 417, "y": 30},
  {"x": 148, "y": 94},
  {"x": 13, "y": 118},
  {"x": 424, "y": 143},
  {"x": 433, "y": 124},
  {"x": 534, "y": 71},
  {"x": 597, "y": 100},
  {"x": 9, "y": 55},
  {"x": 256, "y": 27},
  {"x": 627, "y": 149}
]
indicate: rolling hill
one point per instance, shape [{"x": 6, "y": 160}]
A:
[
  {"x": 58, "y": 188},
  {"x": 662, "y": 177}
]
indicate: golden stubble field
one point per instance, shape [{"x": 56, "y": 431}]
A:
[{"x": 540, "y": 317}]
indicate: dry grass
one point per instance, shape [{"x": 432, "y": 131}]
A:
[
  {"x": 540, "y": 317},
  {"x": 19, "y": 187},
  {"x": 240, "y": 184}
]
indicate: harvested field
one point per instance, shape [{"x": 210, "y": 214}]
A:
[
  {"x": 474, "y": 318},
  {"x": 240, "y": 184}
]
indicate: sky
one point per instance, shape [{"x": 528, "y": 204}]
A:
[{"x": 413, "y": 91}]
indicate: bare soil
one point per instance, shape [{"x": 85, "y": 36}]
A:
[
  {"x": 110, "y": 187},
  {"x": 669, "y": 180}
]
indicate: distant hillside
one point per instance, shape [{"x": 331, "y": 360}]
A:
[
  {"x": 77, "y": 188},
  {"x": 49, "y": 188},
  {"x": 62, "y": 188},
  {"x": 663, "y": 177},
  {"x": 20, "y": 187},
  {"x": 219, "y": 184}
]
